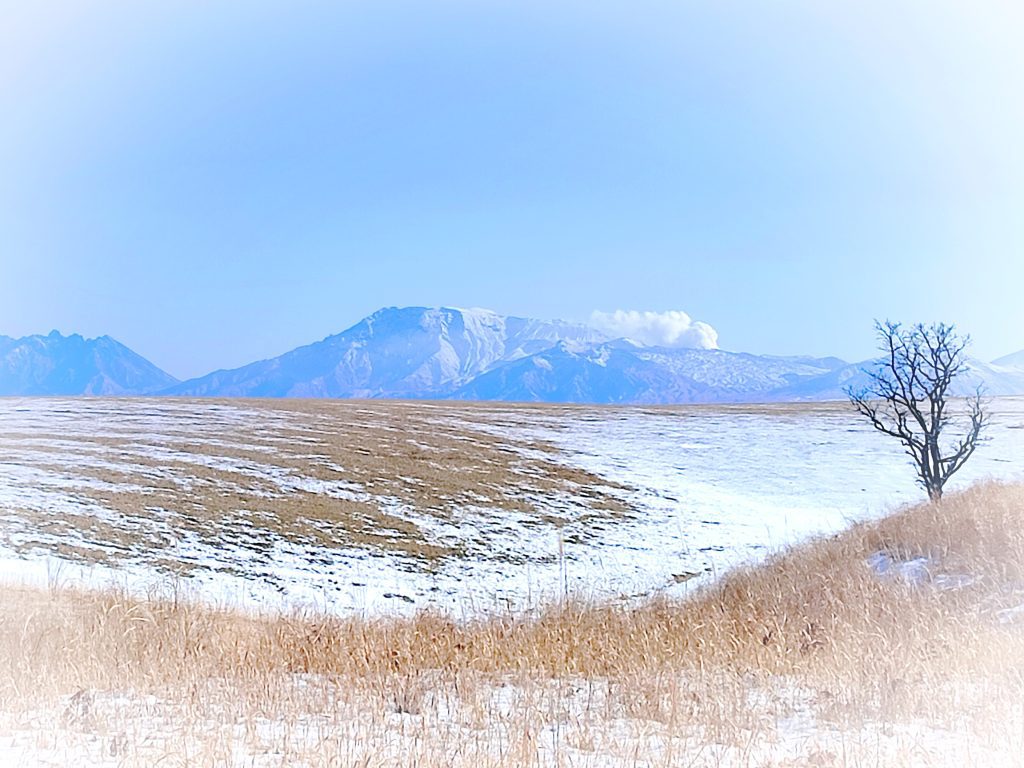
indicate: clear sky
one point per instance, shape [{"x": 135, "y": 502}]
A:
[{"x": 213, "y": 183}]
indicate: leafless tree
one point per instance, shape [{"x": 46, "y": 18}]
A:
[{"x": 908, "y": 397}]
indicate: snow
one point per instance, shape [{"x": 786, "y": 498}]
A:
[
  {"x": 1015, "y": 360},
  {"x": 579, "y": 722},
  {"x": 711, "y": 487},
  {"x": 915, "y": 571}
]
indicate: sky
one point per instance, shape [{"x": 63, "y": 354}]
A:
[{"x": 213, "y": 183}]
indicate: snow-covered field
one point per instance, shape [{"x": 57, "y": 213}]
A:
[
  {"x": 377, "y": 506},
  {"x": 490, "y": 724}
]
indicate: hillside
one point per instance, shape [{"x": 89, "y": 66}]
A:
[
  {"x": 894, "y": 643},
  {"x": 623, "y": 372},
  {"x": 1015, "y": 360}
]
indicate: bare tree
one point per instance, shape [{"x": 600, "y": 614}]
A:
[{"x": 908, "y": 397}]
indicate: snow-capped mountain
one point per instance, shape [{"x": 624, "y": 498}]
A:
[
  {"x": 475, "y": 354},
  {"x": 72, "y": 365},
  {"x": 413, "y": 352},
  {"x": 993, "y": 380},
  {"x": 624, "y": 372},
  {"x": 471, "y": 354},
  {"x": 1015, "y": 360}
]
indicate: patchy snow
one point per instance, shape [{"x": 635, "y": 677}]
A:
[
  {"x": 710, "y": 487},
  {"x": 916, "y": 570},
  {"x": 723, "y": 485},
  {"x": 565, "y": 722}
]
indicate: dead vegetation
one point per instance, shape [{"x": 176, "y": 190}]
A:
[
  {"x": 336, "y": 474},
  {"x": 816, "y": 657}
]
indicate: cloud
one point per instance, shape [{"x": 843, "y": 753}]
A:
[{"x": 658, "y": 329}]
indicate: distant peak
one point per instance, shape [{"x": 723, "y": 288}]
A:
[
  {"x": 1015, "y": 359},
  {"x": 57, "y": 336},
  {"x": 56, "y": 364}
]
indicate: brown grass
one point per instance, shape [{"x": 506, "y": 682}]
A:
[
  {"x": 261, "y": 472},
  {"x": 884, "y": 671}
]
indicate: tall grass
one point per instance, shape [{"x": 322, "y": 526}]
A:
[{"x": 811, "y": 656}]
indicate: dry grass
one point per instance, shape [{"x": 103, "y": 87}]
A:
[
  {"x": 336, "y": 474},
  {"x": 810, "y": 659}
]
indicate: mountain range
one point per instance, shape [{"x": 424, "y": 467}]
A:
[
  {"x": 413, "y": 352},
  {"x": 72, "y": 365},
  {"x": 468, "y": 354}
]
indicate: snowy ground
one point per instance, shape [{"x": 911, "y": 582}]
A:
[
  {"x": 594, "y": 724},
  {"x": 366, "y": 507}
]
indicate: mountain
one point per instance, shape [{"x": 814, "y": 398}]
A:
[
  {"x": 469, "y": 354},
  {"x": 72, "y": 365},
  {"x": 575, "y": 373},
  {"x": 1016, "y": 360},
  {"x": 994, "y": 381},
  {"x": 414, "y": 352},
  {"x": 624, "y": 372},
  {"x": 476, "y": 354}
]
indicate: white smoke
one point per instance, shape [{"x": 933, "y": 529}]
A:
[{"x": 657, "y": 329}]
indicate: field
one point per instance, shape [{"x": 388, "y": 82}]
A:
[
  {"x": 362, "y": 507},
  {"x": 899, "y": 643},
  {"x": 308, "y": 583}
]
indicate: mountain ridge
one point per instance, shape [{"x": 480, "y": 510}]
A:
[
  {"x": 421, "y": 352},
  {"x": 470, "y": 354},
  {"x": 1014, "y": 359},
  {"x": 55, "y": 364}
]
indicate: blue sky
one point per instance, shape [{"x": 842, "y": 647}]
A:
[{"x": 213, "y": 183}]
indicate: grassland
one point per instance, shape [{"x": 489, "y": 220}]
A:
[
  {"x": 893, "y": 643},
  {"x": 363, "y": 506},
  {"x": 303, "y": 500},
  {"x": 318, "y": 472}
]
